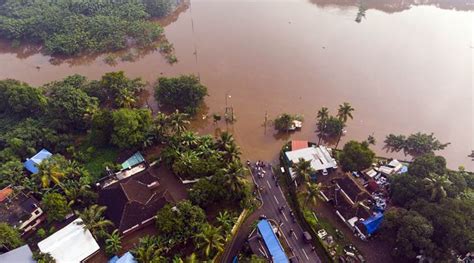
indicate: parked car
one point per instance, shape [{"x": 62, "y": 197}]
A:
[{"x": 307, "y": 237}]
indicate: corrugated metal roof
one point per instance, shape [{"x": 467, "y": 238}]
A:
[
  {"x": 272, "y": 242},
  {"x": 22, "y": 254},
  {"x": 32, "y": 163},
  {"x": 135, "y": 159}
]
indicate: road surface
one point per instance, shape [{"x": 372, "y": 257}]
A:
[{"x": 273, "y": 200}]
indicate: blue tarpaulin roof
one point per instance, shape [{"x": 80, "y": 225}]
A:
[
  {"x": 32, "y": 163},
  {"x": 272, "y": 242},
  {"x": 135, "y": 159},
  {"x": 372, "y": 223},
  {"x": 125, "y": 258}
]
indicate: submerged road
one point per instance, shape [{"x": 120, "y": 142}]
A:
[{"x": 273, "y": 200}]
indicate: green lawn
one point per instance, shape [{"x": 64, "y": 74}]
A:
[{"x": 96, "y": 160}]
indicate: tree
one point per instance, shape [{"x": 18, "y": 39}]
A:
[
  {"x": 322, "y": 117},
  {"x": 405, "y": 188},
  {"x": 11, "y": 172},
  {"x": 345, "y": 112},
  {"x": 371, "y": 140},
  {"x": 158, "y": 8},
  {"x": 148, "y": 251},
  {"x": 437, "y": 184},
  {"x": 414, "y": 234},
  {"x": 41, "y": 257},
  {"x": 184, "y": 93},
  {"x": 415, "y": 145},
  {"x": 101, "y": 127},
  {"x": 356, "y": 156},
  {"x": 312, "y": 193},
  {"x": 93, "y": 219},
  {"x": 333, "y": 127},
  {"x": 70, "y": 108},
  {"x": 178, "y": 122},
  {"x": 303, "y": 170},
  {"x": 284, "y": 122},
  {"x": 423, "y": 165},
  {"x": 118, "y": 90},
  {"x": 55, "y": 206},
  {"x": 180, "y": 223},
  {"x": 113, "y": 243},
  {"x": 21, "y": 99},
  {"x": 210, "y": 240},
  {"x": 51, "y": 170},
  {"x": 131, "y": 127},
  {"x": 10, "y": 238},
  {"x": 226, "y": 221}
]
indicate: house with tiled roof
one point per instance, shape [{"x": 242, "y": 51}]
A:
[
  {"x": 133, "y": 201},
  {"x": 19, "y": 210}
]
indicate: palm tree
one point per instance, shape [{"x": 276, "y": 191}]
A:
[
  {"x": 78, "y": 193},
  {"x": 345, "y": 112},
  {"x": 437, "y": 185},
  {"x": 225, "y": 140},
  {"x": 113, "y": 243},
  {"x": 50, "y": 171},
  {"x": 313, "y": 192},
  {"x": 148, "y": 251},
  {"x": 178, "y": 122},
  {"x": 233, "y": 173},
  {"x": 232, "y": 152},
  {"x": 226, "y": 221},
  {"x": 93, "y": 219},
  {"x": 303, "y": 170},
  {"x": 322, "y": 117},
  {"x": 210, "y": 240},
  {"x": 189, "y": 139}
]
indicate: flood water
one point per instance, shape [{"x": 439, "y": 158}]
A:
[{"x": 404, "y": 67}]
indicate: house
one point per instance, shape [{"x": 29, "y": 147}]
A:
[
  {"x": 19, "y": 210},
  {"x": 133, "y": 202},
  {"x": 131, "y": 166},
  {"x": 22, "y": 254},
  {"x": 31, "y": 164},
  {"x": 320, "y": 158},
  {"x": 70, "y": 244}
]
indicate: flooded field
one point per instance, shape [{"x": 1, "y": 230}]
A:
[{"x": 404, "y": 67}]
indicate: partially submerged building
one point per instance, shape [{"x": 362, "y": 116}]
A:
[
  {"x": 133, "y": 202},
  {"x": 71, "y": 243},
  {"x": 19, "y": 210}
]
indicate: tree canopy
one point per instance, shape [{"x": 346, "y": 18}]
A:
[
  {"x": 10, "y": 238},
  {"x": 416, "y": 144},
  {"x": 130, "y": 127},
  {"x": 356, "y": 156},
  {"x": 55, "y": 206},
  {"x": 75, "y": 27},
  {"x": 184, "y": 93}
]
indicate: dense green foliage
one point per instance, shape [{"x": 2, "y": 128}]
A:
[
  {"x": 10, "y": 238},
  {"x": 284, "y": 122},
  {"x": 416, "y": 144},
  {"x": 41, "y": 257},
  {"x": 55, "y": 206},
  {"x": 184, "y": 93},
  {"x": 437, "y": 214},
  {"x": 356, "y": 156},
  {"x": 130, "y": 127},
  {"x": 67, "y": 27}
]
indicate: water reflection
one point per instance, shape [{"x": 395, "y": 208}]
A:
[{"x": 393, "y": 6}]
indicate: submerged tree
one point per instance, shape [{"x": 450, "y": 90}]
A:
[{"x": 415, "y": 145}]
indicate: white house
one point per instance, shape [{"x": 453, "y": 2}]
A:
[{"x": 320, "y": 157}]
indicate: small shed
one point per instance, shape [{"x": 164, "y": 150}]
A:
[{"x": 31, "y": 164}]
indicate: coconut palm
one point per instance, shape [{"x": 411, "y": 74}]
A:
[
  {"x": 225, "y": 140},
  {"x": 78, "y": 193},
  {"x": 437, "y": 185},
  {"x": 312, "y": 193},
  {"x": 93, "y": 219},
  {"x": 148, "y": 251},
  {"x": 189, "y": 139},
  {"x": 345, "y": 112},
  {"x": 50, "y": 172},
  {"x": 234, "y": 176},
  {"x": 303, "y": 170},
  {"x": 210, "y": 240},
  {"x": 178, "y": 122},
  {"x": 113, "y": 243},
  {"x": 226, "y": 221},
  {"x": 322, "y": 117},
  {"x": 232, "y": 152}
]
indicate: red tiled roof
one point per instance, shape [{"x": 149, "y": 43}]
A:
[
  {"x": 5, "y": 192},
  {"x": 296, "y": 145}
]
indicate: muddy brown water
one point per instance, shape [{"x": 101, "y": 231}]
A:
[{"x": 404, "y": 67}]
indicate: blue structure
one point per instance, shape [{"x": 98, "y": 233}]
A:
[
  {"x": 32, "y": 163},
  {"x": 271, "y": 241},
  {"x": 372, "y": 223},
  {"x": 135, "y": 159},
  {"x": 125, "y": 258}
]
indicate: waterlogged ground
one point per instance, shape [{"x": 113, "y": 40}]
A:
[{"x": 404, "y": 67}]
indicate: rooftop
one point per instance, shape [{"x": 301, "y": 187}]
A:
[
  {"x": 22, "y": 254},
  {"x": 16, "y": 208},
  {"x": 271, "y": 242},
  {"x": 32, "y": 163},
  {"x": 319, "y": 156},
  {"x": 70, "y": 244}
]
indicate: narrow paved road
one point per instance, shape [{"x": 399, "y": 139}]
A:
[{"x": 273, "y": 200}]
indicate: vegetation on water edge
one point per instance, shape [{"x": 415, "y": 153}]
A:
[{"x": 68, "y": 28}]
